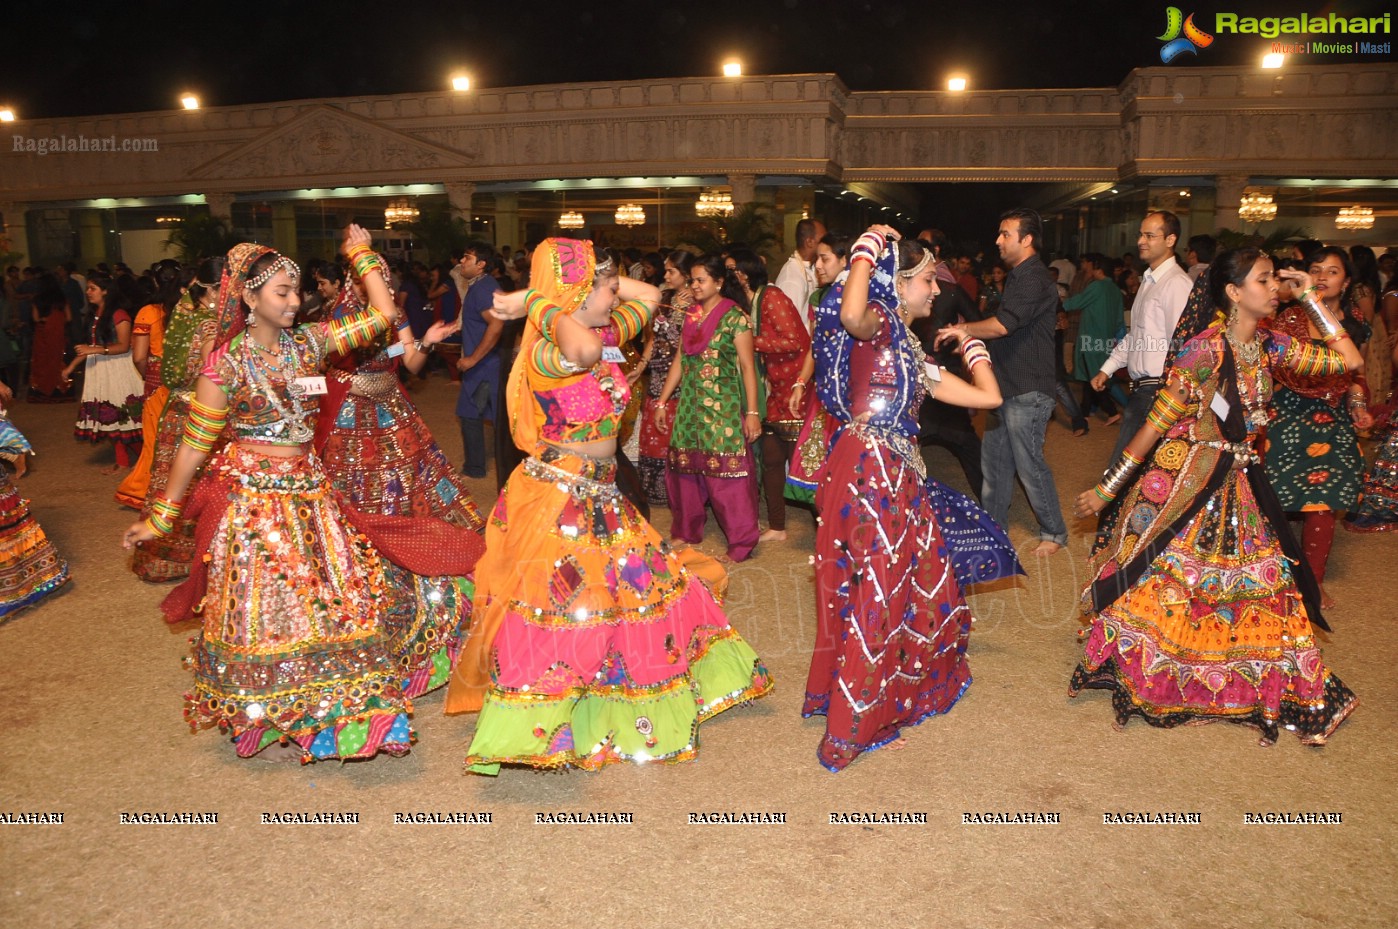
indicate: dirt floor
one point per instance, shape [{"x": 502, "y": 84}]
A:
[{"x": 90, "y": 699}]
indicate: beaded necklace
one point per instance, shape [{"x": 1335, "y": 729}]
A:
[
  {"x": 1254, "y": 383},
  {"x": 295, "y": 419}
]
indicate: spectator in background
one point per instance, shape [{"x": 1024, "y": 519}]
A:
[
  {"x": 797, "y": 277},
  {"x": 479, "y": 363},
  {"x": 966, "y": 277},
  {"x": 1154, "y": 313},
  {"x": 1200, "y": 255}
]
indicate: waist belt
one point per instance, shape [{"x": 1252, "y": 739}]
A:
[{"x": 1138, "y": 383}]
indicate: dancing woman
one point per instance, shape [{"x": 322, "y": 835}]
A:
[
  {"x": 189, "y": 340},
  {"x": 717, "y": 416},
  {"x": 112, "y": 388},
  {"x": 891, "y": 622},
  {"x": 377, "y": 450},
  {"x": 30, "y": 567},
  {"x": 1201, "y": 607},
  {"x": 147, "y": 349},
  {"x": 1313, "y": 456},
  {"x": 591, "y": 643},
  {"x": 662, "y": 345},
  {"x": 305, "y": 637}
]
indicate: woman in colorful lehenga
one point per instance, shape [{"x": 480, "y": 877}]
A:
[
  {"x": 112, "y": 389},
  {"x": 662, "y": 344},
  {"x": 591, "y": 643},
  {"x": 30, "y": 568},
  {"x": 377, "y": 450},
  {"x": 147, "y": 349},
  {"x": 189, "y": 340},
  {"x": 51, "y": 316},
  {"x": 1313, "y": 456},
  {"x": 306, "y": 637},
  {"x": 891, "y": 622},
  {"x": 1201, "y": 606}
]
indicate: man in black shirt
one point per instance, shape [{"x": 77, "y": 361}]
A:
[{"x": 1020, "y": 338}]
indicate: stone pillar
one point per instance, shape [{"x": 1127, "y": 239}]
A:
[
  {"x": 1228, "y": 190},
  {"x": 744, "y": 188},
  {"x": 459, "y": 194},
  {"x": 220, "y": 206},
  {"x": 284, "y": 227},
  {"x": 507, "y": 220},
  {"x": 92, "y": 237}
]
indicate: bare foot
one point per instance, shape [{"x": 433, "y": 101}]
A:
[
  {"x": 21, "y": 465},
  {"x": 279, "y": 753},
  {"x": 1327, "y": 602},
  {"x": 1113, "y": 419},
  {"x": 897, "y": 744},
  {"x": 1047, "y": 548},
  {"x": 773, "y": 535},
  {"x": 678, "y": 545},
  {"x": 723, "y": 559},
  {"x": 110, "y": 469}
]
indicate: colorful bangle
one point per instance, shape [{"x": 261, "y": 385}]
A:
[
  {"x": 203, "y": 427},
  {"x": 164, "y": 514},
  {"x": 1166, "y": 412},
  {"x": 544, "y": 314}
]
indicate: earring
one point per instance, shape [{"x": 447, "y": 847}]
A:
[
  {"x": 251, "y": 320},
  {"x": 1232, "y": 315}
]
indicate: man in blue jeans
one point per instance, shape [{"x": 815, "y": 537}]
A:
[{"x": 1020, "y": 338}]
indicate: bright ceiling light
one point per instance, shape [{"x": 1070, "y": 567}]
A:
[
  {"x": 460, "y": 82},
  {"x": 733, "y": 68},
  {"x": 189, "y": 102},
  {"x": 1273, "y": 60},
  {"x": 956, "y": 84}
]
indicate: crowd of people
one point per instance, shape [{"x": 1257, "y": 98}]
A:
[{"x": 264, "y": 417}]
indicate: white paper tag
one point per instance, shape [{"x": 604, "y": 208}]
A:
[
  {"x": 613, "y": 354},
  {"x": 933, "y": 371},
  {"x": 394, "y": 350},
  {"x": 1220, "y": 407},
  {"x": 311, "y": 385}
]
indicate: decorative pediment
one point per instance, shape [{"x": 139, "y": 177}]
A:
[{"x": 325, "y": 142}]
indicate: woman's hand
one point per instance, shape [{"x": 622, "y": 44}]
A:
[
  {"x": 1088, "y": 504},
  {"x": 1299, "y": 279},
  {"x": 354, "y": 236},
  {"x": 888, "y": 232},
  {"x": 138, "y": 533},
  {"x": 954, "y": 334},
  {"x": 797, "y": 401},
  {"x": 508, "y": 305},
  {"x": 662, "y": 416},
  {"x": 752, "y": 427},
  {"x": 437, "y": 332}
]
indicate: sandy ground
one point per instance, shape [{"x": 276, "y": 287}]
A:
[{"x": 90, "y": 697}]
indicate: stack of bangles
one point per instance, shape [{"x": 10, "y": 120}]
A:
[
  {"x": 973, "y": 352},
  {"x": 1166, "y": 412},
  {"x": 1116, "y": 478},
  {"x": 543, "y": 313},
  {"x": 164, "y": 513},
  {"x": 1330, "y": 331},
  {"x": 867, "y": 247},
  {"x": 203, "y": 427},
  {"x": 364, "y": 260},
  {"x": 1358, "y": 403}
]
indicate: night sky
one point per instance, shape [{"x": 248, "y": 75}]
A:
[{"x": 107, "y": 57}]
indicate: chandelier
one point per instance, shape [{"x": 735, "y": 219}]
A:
[
  {"x": 1256, "y": 207},
  {"x": 1355, "y": 218},
  {"x": 630, "y": 214},
  {"x": 571, "y": 219},
  {"x": 399, "y": 212},
  {"x": 714, "y": 204}
]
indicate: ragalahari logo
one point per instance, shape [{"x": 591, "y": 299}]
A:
[{"x": 1177, "y": 44}]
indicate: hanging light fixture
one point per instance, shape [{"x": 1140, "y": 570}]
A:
[
  {"x": 571, "y": 219},
  {"x": 399, "y": 212},
  {"x": 630, "y": 214},
  {"x": 1256, "y": 207},
  {"x": 1355, "y": 218},
  {"x": 714, "y": 204}
]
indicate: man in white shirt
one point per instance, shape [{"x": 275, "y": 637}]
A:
[
  {"x": 797, "y": 278},
  {"x": 1156, "y": 310}
]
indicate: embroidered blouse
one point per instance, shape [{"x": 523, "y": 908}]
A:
[
  {"x": 708, "y": 433},
  {"x": 258, "y": 388},
  {"x": 572, "y": 407}
]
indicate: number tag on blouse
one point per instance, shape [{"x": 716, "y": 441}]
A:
[
  {"x": 394, "y": 350},
  {"x": 613, "y": 354},
  {"x": 310, "y": 386},
  {"x": 933, "y": 371},
  {"x": 1220, "y": 406}
]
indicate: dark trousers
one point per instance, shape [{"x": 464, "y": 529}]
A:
[{"x": 950, "y": 427}]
